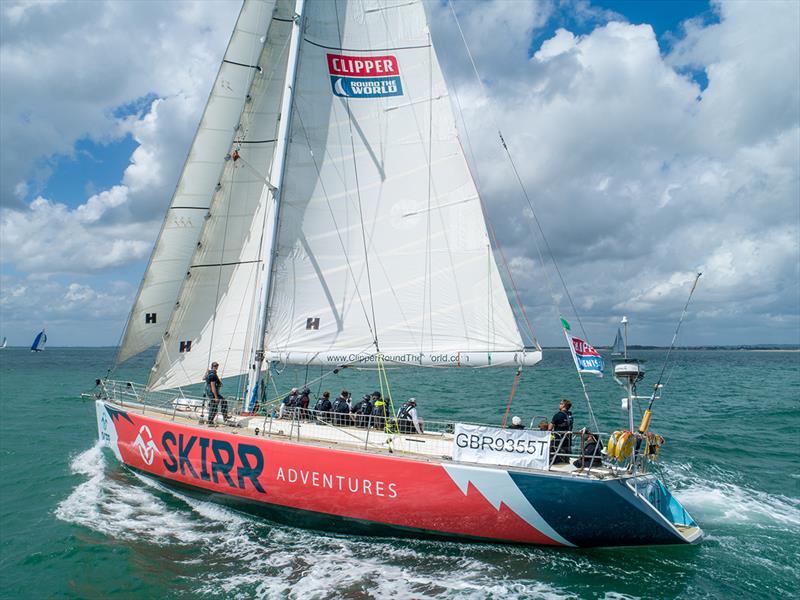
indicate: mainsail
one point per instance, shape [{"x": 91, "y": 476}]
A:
[
  {"x": 197, "y": 186},
  {"x": 382, "y": 243},
  {"x": 381, "y": 247}
]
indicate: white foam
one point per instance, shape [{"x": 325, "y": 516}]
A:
[
  {"x": 115, "y": 508},
  {"x": 722, "y": 498}
]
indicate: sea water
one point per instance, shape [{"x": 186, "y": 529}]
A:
[{"x": 77, "y": 524}]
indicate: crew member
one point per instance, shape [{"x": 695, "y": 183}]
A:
[
  {"x": 323, "y": 406},
  {"x": 380, "y": 411},
  {"x": 590, "y": 457},
  {"x": 341, "y": 408},
  {"x": 407, "y": 417},
  {"x": 288, "y": 402},
  {"x": 516, "y": 423},
  {"x": 362, "y": 410},
  {"x": 562, "y": 422},
  {"x": 216, "y": 401}
]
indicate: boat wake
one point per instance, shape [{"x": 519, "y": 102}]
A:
[
  {"x": 246, "y": 557},
  {"x": 720, "y": 499}
]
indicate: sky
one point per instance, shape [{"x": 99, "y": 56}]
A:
[{"x": 654, "y": 140}]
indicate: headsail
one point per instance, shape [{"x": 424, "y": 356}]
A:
[
  {"x": 197, "y": 185},
  {"x": 381, "y": 235},
  {"x": 217, "y": 305}
]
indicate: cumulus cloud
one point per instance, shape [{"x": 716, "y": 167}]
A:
[
  {"x": 639, "y": 175},
  {"x": 74, "y": 313},
  {"x": 641, "y": 178}
]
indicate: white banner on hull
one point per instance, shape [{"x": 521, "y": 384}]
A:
[{"x": 496, "y": 446}]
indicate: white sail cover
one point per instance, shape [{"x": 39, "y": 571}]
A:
[
  {"x": 217, "y": 306},
  {"x": 197, "y": 183},
  {"x": 381, "y": 232}
]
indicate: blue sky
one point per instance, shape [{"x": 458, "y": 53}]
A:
[{"x": 669, "y": 127}]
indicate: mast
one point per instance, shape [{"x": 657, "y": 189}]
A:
[{"x": 275, "y": 190}]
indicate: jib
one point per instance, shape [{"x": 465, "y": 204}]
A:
[{"x": 223, "y": 461}]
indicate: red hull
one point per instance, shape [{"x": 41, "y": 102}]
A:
[{"x": 394, "y": 491}]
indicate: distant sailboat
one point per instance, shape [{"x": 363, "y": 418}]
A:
[
  {"x": 39, "y": 341},
  {"x": 618, "y": 349},
  {"x": 4, "y": 345}
]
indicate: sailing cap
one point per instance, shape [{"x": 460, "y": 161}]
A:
[
  {"x": 516, "y": 421},
  {"x": 414, "y": 400},
  {"x": 294, "y": 389}
]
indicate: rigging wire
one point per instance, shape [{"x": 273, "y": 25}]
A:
[{"x": 529, "y": 201}]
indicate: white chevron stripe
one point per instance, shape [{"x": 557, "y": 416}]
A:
[{"x": 497, "y": 486}]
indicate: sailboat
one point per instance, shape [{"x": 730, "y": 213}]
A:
[
  {"x": 326, "y": 215},
  {"x": 4, "y": 343},
  {"x": 39, "y": 341}
]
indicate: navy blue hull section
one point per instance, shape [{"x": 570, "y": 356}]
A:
[{"x": 594, "y": 512}]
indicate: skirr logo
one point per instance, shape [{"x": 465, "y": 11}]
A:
[{"x": 147, "y": 447}]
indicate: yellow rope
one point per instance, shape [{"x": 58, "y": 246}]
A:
[{"x": 390, "y": 426}]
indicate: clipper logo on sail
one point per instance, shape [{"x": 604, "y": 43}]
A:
[{"x": 364, "y": 76}]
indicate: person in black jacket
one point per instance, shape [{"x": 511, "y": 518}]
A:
[
  {"x": 216, "y": 400},
  {"x": 562, "y": 422},
  {"x": 362, "y": 410},
  {"x": 323, "y": 407},
  {"x": 590, "y": 457},
  {"x": 341, "y": 409}
]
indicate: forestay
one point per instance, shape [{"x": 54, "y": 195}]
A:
[
  {"x": 382, "y": 235},
  {"x": 197, "y": 185},
  {"x": 217, "y": 305}
]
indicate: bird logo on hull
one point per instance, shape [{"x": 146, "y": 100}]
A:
[{"x": 147, "y": 447}]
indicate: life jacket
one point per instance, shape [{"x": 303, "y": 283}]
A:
[
  {"x": 323, "y": 405},
  {"x": 567, "y": 424},
  {"x": 405, "y": 410},
  {"x": 379, "y": 409},
  {"x": 341, "y": 406},
  {"x": 363, "y": 408}
]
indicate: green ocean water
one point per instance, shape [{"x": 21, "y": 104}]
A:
[{"x": 76, "y": 524}]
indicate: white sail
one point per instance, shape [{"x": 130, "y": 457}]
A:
[
  {"x": 197, "y": 185},
  {"x": 218, "y": 303},
  {"x": 381, "y": 235}
]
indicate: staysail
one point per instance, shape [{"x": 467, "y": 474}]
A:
[
  {"x": 382, "y": 243},
  {"x": 197, "y": 185},
  {"x": 217, "y": 304}
]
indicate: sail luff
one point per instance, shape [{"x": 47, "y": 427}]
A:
[
  {"x": 278, "y": 170},
  {"x": 194, "y": 192}
]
